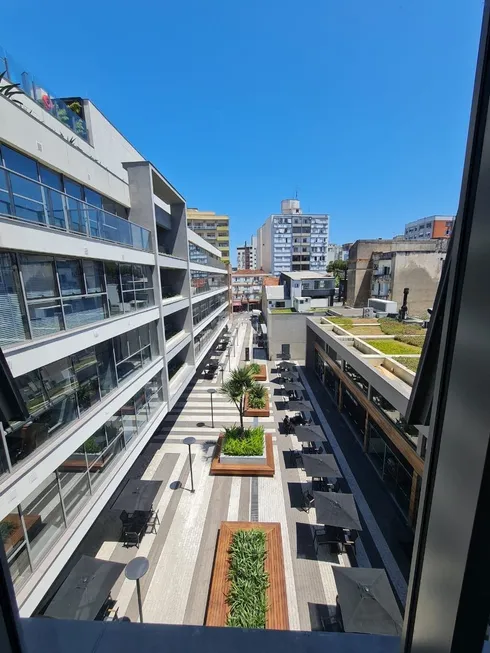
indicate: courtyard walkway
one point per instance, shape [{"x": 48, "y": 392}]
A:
[{"x": 181, "y": 553}]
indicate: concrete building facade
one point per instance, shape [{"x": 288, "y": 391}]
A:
[
  {"x": 293, "y": 241},
  {"x": 244, "y": 257},
  {"x": 383, "y": 268},
  {"x": 213, "y": 228},
  {"x": 246, "y": 289},
  {"x": 372, "y": 391},
  {"x": 109, "y": 304},
  {"x": 253, "y": 253},
  {"x": 435, "y": 226}
]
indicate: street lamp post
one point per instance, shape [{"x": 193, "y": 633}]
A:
[
  {"x": 221, "y": 368},
  {"x": 212, "y": 391},
  {"x": 136, "y": 569},
  {"x": 190, "y": 441},
  {"x": 229, "y": 357}
]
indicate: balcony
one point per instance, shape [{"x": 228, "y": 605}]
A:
[
  {"x": 70, "y": 115},
  {"x": 27, "y": 200}
]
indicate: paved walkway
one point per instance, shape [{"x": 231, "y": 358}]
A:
[{"x": 181, "y": 553}]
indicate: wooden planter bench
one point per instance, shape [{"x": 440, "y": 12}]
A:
[
  {"x": 262, "y": 375},
  {"x": 217, "y": 608},
  {"x": 222, "y": 469},
  {"x": 257, "y": 412}
]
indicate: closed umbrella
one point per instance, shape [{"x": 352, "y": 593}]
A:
[
  {"x": 321, "y": 465},
  {"x": 293, "y": 385},
  {"x": 336, "y": 509},
  {"x": 311, "y": 433},
  {"x": 301, "y": 406},
  {"x": 367, "y": 602}
]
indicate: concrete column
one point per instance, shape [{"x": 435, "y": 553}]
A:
[
  {"x": 339, "y": 404},
  {"x": 366, "y": 433}
]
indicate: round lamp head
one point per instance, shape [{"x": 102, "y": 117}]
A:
[
  {"x": 190, "y": 440},
  {"x": 137, "y": 568}
]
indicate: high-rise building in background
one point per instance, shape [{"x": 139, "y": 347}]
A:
[
  {"x": 109, "y": 303},
  {"x": 292, "y": 240},
  {"x": 213, "y": 228},
  {"x": 243, "y": 257},
  {"x": 435, "y": 226},
  {"x": 253, "y": 252}
]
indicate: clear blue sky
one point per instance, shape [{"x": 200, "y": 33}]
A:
[{"x": 361, "y": 105}]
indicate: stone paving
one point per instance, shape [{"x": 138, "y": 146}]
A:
[{"x": 181, "y": 552}]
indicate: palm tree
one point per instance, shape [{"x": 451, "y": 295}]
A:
[{"x": 238, "y": 385}]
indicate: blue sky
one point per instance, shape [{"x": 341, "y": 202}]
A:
[{"x": 362, "y": 107}]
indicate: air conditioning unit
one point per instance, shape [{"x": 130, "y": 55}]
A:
[
  {"x": 368, "y": 311},
  {"x": 382, "y": 305}
]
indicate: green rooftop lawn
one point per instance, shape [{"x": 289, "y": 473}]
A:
[
  {"x": 394, "y": 328},
  {"x": 411, "y": 363},
  {"x": 393, "y": 347},
  {"x": 282, "y": 310}
]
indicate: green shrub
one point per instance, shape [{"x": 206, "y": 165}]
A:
[
  {"x": 92, "y": 446},
  {"x": 249, "y": 581},
  {"x": 411, "y": 363},
  {"x": 416, "y": 341},
  {"x": 392, "y": 327},
  {"x": 257, "y": 396},
  {"x": 254, "y": 368},
  {"x": 392, "y": 347},
  {"x": 250, "y": 442},
  {"x": 6, "y": 529}
]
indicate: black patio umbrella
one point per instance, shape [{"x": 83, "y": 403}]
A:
[
  {"x": 293, "y": 385},
  {"x": 336, "y": 509},
  {"x": 85, "y": 589},
  {"x": 367, "y": 602},
  {"x": 321, "y": 465},
  {"x": 137, "y": 495},
  {"x": 301, "y": 406},
  {"x": 286, "y": 365},
  {"x": 310, "y": 433}
]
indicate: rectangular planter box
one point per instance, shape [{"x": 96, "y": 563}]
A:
[
  {"x": 243, "y": 465},
  {"x": 257, "y": 412},
  {"x": 217, "y": 608},
  {"x": 262, "y": 375}
]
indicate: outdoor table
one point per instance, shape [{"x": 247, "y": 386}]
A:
[
  {"x": 85, "y": 590},
  {"x": 137, "y": 495}
]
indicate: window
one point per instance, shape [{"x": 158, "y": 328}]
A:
[
  {"x": 13, "y": 318},
  {"x": 50, "y": 178},
  {"x": 70, "y": 276},
  {"x": 18, "y": 162}
]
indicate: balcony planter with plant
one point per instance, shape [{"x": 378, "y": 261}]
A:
[
  {"x": 257, "y": 402},
  {"x": 258, "y": 371}
]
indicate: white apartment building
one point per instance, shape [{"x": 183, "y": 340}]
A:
[
  {"x": 108, "y": 305},
  {"x": 292, "y": 240}
]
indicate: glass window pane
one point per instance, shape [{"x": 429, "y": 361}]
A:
[
  {"x": 129, "y": 301},
  {"x": 114, "y": 294},
  {"x": 94, "y": 276},
  {"x": 38, "y": 276},
  {"x": 134, "y": 344},
  {"x": 13, "y": 321},
  {"x": 56, "y": 208},
  {"x": 75, "y": 490},
  {"x": 32, "y": 391},
  {"x": 95, "y": 445},
  {"x": 70, "y": 276},
  {"x": 73, "y": 189},
  {"x": 121, "y": 347},
  {"x": 106, "y": 367},
  {"x": 43, "y": 517},
  {"x": 26, "y": 188},
  {"x": 14, "y": 544},
  {"x": 92, "y": 197},
  {"x": 59, "y": 379},
  {"x": 19, "y": 162},
  {"x": 84, "y": 310},
  {"x": 129, "y": 366},
  {"x": 114, "y": 427},
  {"x": 77, "y": 217},
  {"x": 46, "y": 317},
  {"x": 50, "y": 177},
  {"x": 129, "y": 420},
  {"x": 85, "y": 364},
  {"x": 5, "y": 204},
  {"x": 100, "y": 467},
  {"x": 126, "y": 276},
  {"x": 141, "y": 409},
  {"x": 28, "y": 209}
]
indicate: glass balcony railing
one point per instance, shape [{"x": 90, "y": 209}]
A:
[
  {"x": 32, "y": 87},
  {"x": 30, "y": 201}
]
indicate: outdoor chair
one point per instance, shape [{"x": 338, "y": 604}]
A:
[
  {"x": 295, "y": 456},
  {"x": 308, "y": 501},
  {"x": 124, "y": 517},
  {"x": 350, "y": 539},
  {"x": 331, "y": 624},
  {"x": 153, "y": 521},
  {"x": 131, "y": 537}
]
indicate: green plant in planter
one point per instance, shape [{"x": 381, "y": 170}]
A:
[
  {"x": 6, "y": 529},
  {"x": 76, "y": 107},
  {"x": 239, "y": 442},
  {"x": 240, "y": 383},
  {"x": 254, "y": 368},
  {"x": 80, "y": 128},
  {"x": 92, "y": 446},
  {"x": 257, "y": 396},
  {"x": 62, "y": 115}
]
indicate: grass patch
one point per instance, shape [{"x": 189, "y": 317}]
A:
[
  {"x": 344, "y": 322},
  {"x": 411, "y": 363},
  {"x": 254, "y": 368},
  {"x": 415, "y": 341},
  {"x": 393, "y": 347},
  {"x": 366, "y": 330},
  {"x": 248, "y": 443},
  {"x": 249, "y": 581},
  {"x": 394, "y": 328},
  {"x": 282, "y": 310}
]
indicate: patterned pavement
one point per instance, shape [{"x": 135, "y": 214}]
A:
[{"x": 181, "y": 552}]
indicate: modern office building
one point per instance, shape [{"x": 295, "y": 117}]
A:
[
  {"x": 292, "y": 240},
  {"x": 383, "y": 268},
  {"x": 435, "y": 226},
  {"x": 246, "y": 288},
  {"x": 108, "y": 305},
  {"x": 213, "y": 228},
  {"x": 372, "y": 390}
]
